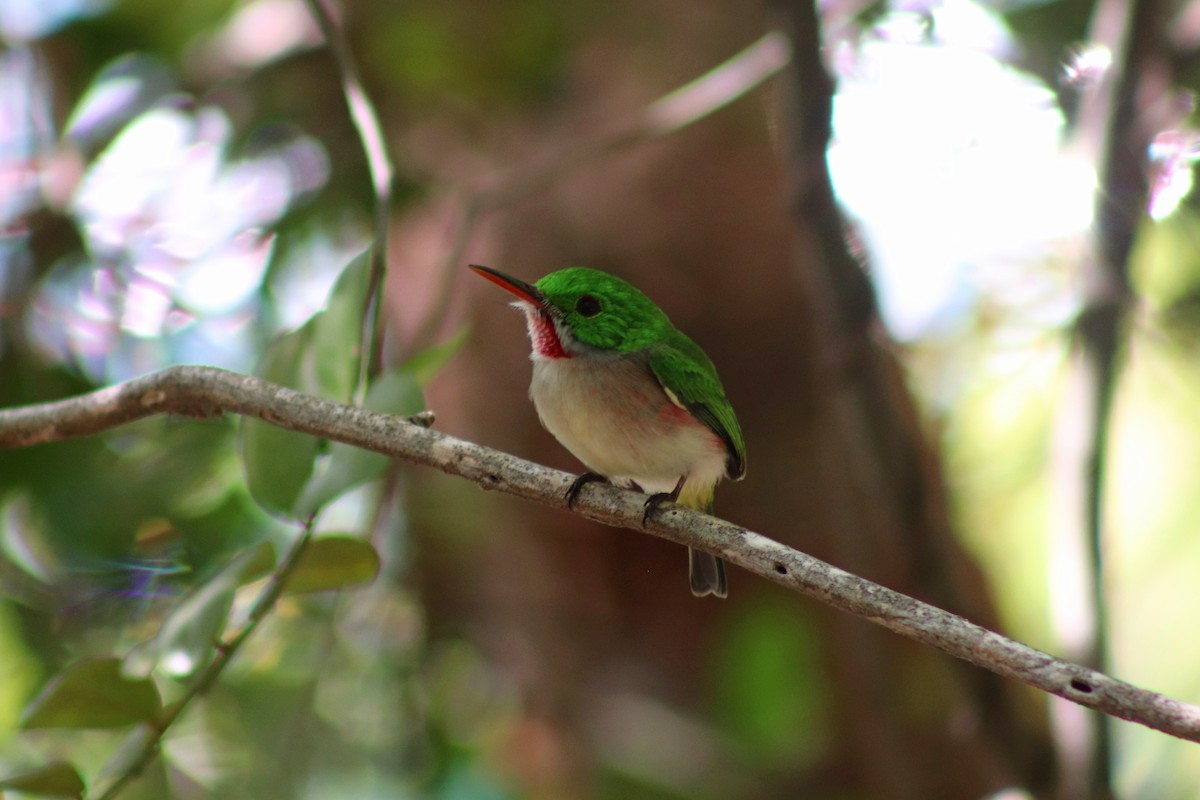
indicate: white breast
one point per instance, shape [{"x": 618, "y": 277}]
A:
[{"x": 611, "y": 413}]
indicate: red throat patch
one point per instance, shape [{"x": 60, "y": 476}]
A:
[{"x": 543, "y": 336}]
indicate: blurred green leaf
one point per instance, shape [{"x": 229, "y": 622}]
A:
[
  {"x": 429, "y": 362},
  {"x": 258, "y": 563},
  {"x": 1165, "y": 265},
  {"x": 393, "y": 392},
  {"x": 396, "y": 392},
  {"x": 339, "y": 331},
  {"x": 771, "y": 686},
  {"x": 188, "y": 637},
  {"x": 279, "y": 462},
  {"x": 471, "y": 779},
  {"x": 437, "y": 50},
  {"x": 93, "y": 694},
  {"x": 56, "y": 779},
  {"x": 334, "y": 562},
  {"x": 322, "y": 356},
  {"x": 126, "y": 754}
]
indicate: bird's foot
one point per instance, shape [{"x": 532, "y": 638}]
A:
[
  {"x": 655, "y": 500},
  {"x": 580, "y": 482},
  {"x": 652, "y": 504}
]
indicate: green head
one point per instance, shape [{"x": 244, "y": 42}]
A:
[{"x": 578, "y": 308}]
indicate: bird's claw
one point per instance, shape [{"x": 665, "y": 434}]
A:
[
  {"x": 653, "y": 502},
  {"x": 657, "y": 499},
  {"x": 579, "y": 483}
]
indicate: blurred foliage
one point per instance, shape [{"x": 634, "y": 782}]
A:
[
  {"x": 769, "y": 687},
  {"x": 181, "y": 183}
]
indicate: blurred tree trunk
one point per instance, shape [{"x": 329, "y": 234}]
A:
[{"x": 895, "y": 518}]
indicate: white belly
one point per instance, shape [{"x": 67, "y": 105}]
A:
[{"x": 615, "y": 418}]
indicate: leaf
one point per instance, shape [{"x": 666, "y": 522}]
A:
[
  {"x": 337, "y": 342},
  {"x": 56, "y": 779},
  {"x": 188, "y": 637},
  {"x": 347, "y": 466},
  {"x": 278, "y": 462},
  {"x": 93, "y": 694},
  {"x": 395, "y": 392},
  {"x": 258, "y": 563},
  {"x": 429, "y": 362},
  {"x": 126, "y": 754},
  {"x": 333, "y": 562}
]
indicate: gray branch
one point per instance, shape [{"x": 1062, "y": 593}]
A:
[{"x": 210, "y": 392}]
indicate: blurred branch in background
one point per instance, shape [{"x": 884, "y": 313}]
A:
[
  {"x": 671, "y": 112},
  {"x": 206, "y": 391},
  {"x": 151, "y": 736},
  {"x": 374, "y": 144}
]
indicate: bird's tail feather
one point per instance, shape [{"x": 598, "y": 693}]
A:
[{"x": 706, "y": 572}]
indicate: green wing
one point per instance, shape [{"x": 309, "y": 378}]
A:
[{"x": 687, "y": 372}]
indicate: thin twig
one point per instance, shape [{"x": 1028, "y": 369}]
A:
[
  {"x": 207, "y": 391},
  {"x": 208, "y": 676},
  {"x": 370, "y": 133},
  {"x": 672, "y": 112}
]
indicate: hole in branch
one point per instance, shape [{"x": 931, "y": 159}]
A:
[
  {"x": 1080, "y": 685},
  {"x": 781, "y": 568}
]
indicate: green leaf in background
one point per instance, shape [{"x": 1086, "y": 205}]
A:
[
  {"x": 93, "y": 694},
  {"x": 255, "y": 563},
  {"x": 339, "y": 331},
  {"x": 126, "y": 754},
  {"x": 188, "y": 637},
  {"x": 279, "y": 462},
  {"x": 770, "y": 687},
  {"x": 346, "y": 467},
  {"x": 334, "y": 562},
  {"x": 396, "y": 392},
  {"x": 471, "y": 779},
  {"x": 429, "y": 362},
  {"x": 56, "y": 779}
]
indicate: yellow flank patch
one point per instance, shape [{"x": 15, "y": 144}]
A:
[{"x": 696, "y": 495}]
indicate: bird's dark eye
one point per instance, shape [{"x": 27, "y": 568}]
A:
[{"x": 588, "y": 305}]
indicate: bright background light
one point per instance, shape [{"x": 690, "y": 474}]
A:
[{"x": 955, "y": 166}]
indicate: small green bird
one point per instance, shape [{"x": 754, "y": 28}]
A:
[{"x": 633, "y": 398}]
